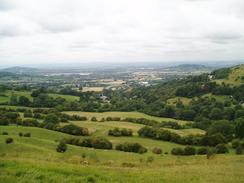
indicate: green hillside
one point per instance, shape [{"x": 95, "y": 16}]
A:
[{"x": 34, "y": 159}]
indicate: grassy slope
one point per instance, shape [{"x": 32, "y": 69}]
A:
[
  {"x": 8, "y": 94},
  {"x": 124, "y": 115},
  {"x": 235, "y": 77},
  {"x": 35, "y": 160}
]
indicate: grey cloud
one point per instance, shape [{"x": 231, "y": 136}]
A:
[{"x": 223, "y": 38}]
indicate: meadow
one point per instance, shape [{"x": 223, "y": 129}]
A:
[{"x": 35, "y": 159}]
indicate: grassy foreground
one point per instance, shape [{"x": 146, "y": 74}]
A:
[{"x": 35, "y": 159}]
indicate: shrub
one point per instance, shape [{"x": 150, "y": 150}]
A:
[
  {"x": 101, "y": 143},
  {"x": 120, "y": 132},
  {"x": 51, "y": 118},
  {"x": 131, "y": 147},
  {"x": 4, "y": 133},
  {"x": 211, "y": 152},
  {"x": 188, "y": 150},
  {"x": 113, "y": 119},
  {"x": 9, "y": 140},
  {"x": 235, "y": 143},
  {"x": 62, "y": 147},
  {"x": 202, "y": 150},
  {"x": 177, "y": 151},
  {"x": 239, "y": 149},
  {"x": 221, "y": 149},
  {"x": 74, "y": 130},
  {"x": 27, "y": 134},
  {"x": 30, "y": 122},
  {"x": 157, "y": 150},
  {"x": 86, "y": 143},
  {"x": 213, "y": 140},
  {"x": 93, "y": 119},
  {"x": 20, "y": 134},
  {"x": 28, "y": 114}
]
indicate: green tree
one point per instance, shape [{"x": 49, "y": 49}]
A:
[{"x": 239, "y": 128}]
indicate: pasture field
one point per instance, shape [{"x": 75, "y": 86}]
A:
[
  {"x": 122, "y": 115},
  {"x": 35, "y": 159},
  {"x": 5, "y": 96},
  {"x": 95, "y": 89},
  {"x": 102, "y": 127}
]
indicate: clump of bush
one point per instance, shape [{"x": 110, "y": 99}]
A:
[
  {"x": 166, "y": 135},
  {"x": 101, "y": 143},
  {"x": 113, "y": 119},
  {"x": 157, "y": 150},
  {"x": 93, "y": 119},
  {"x": 120, "y": 132},
  {"x": 74, "y": 130},
  {"x": 4, "y": 133},
  {"x": 187, "y": 151},
  {"x": 28, "y": 114},
  {"x": 239, "y": 149},
  {"x": 28, "y": 134},
  {"x": 62, "y": 147},
  {"x": 9, "y": 140},
  {"x": 143, "y": 121},
  {"x": 171, "y": 124},
  {"x": 221, "y": 149},
  {"x": 30, "y": 122},
  {"x": 97, "y": 143},
  {"x": 202, "y": 151},
  {"x": 177, "y": 151},
  {"x": 131, "y": 147},
  {"x": 20, "y": 134}
]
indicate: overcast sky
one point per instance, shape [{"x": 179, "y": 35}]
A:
[{"x": 65, "y": 31}]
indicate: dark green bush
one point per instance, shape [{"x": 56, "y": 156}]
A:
[
  {"x": 188, "y": 151},
  {"x": 9, "y": 140},
  {"x": 101, "y": 143},
  {"x": 131, "y": 147},
  {"x": 28, "y": 134},
  {"x": 74, "y": 130},
  {"x": 62, "y": 147},
  {"x": 157, "y": 150},
  {"x": 221, "y": 149},
  {"x": 239, "y": 149},
  {"x": 202, "y": 151},
  {"x": 4, "y": 133},
  {"x": 20, "y": 134},
  {"x": 177, "y": 151},
  {"x": 120, "y": 132}
]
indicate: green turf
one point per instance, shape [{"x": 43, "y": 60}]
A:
[{"x": 34, "y": 159}]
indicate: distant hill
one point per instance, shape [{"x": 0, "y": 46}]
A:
[{"x": 20, "y": 70}]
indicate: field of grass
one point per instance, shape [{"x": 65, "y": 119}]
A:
[
  {"x": 123, "y": 115},
  {"x": 35, "y": 159},
  {"x": 7, "y": 94},
  {"x": 95, "y": 89},
  {"x": 220, "y": 98}
]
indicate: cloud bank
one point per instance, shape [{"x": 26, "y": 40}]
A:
[{"x": 44, "y": 31}]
